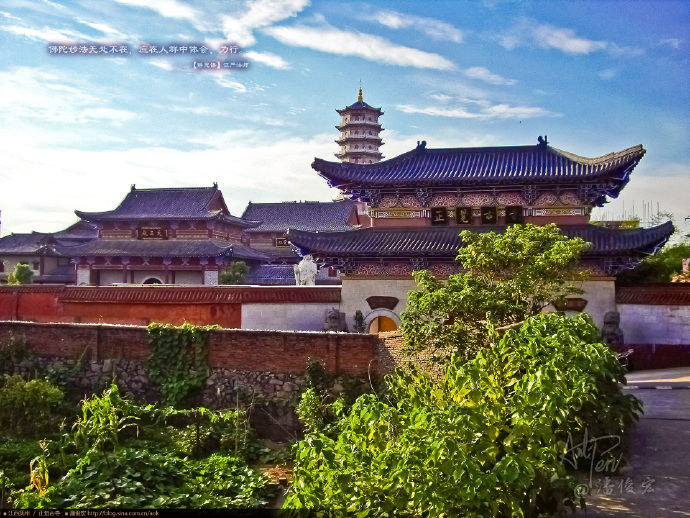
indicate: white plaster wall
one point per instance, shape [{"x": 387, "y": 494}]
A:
[
  {"x": 188, "y": 278},
  {"x": 356, "y": 291},
  {"x": 83, "y": 277},
  {"x": 111, "y": 277},
  {"x": 601, "y": 298},
  {"x": 286, "y": 317},
  {"x": 12, "y": 262},
  {"x": 643, "y": 324},
  {"x": 211, "y": 277}
]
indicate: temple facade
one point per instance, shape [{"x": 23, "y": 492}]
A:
[
  {"x": 419, "y": 202},
  {"x": 163, "y": 236},
  {"x": 270, "y": 236}
]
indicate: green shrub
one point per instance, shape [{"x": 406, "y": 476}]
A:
[
  {"x": 28, "y": 406},
  {"x": 487, "y": 439},
  {"x": 15, "y": 354}
]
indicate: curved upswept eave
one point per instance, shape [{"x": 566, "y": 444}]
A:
[{"x": 457, "y": 167}]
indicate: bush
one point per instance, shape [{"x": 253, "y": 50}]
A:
[
  {"x": 28, "y": 406},
  {"x": 106, "y": 464},
  {"x": 487, "y": 439}
]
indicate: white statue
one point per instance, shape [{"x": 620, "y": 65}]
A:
[{"x": 305, "y": 272}]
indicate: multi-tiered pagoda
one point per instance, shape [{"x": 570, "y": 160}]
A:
[
  {"x": 420, "y": 201},
  {"x": 359, "y": 133}
]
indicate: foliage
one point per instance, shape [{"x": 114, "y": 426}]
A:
[
  {"x": 140, "y": 478},
  {"x": 115, "y": 467},
  {"x": 178, "y": 363},
  {"x": 4, "y": 485},
  {"x": 660, "y": 267},
  {"x": 487, "y": 439},
  {"x": 236, "y": 273},
  {"x": 359, "y": 322},
  {"x": 103, "y": 418},
  {"x": 28, "y": 406},
  {"x": 508, "y": 277},
  {"x": 22, "y": 274},
  {"x": 15, "y": 353},
  {"x": 15, "y": 455}
]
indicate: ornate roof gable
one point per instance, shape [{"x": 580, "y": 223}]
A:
[
  {"x": 465, "y": 167},
  {"x": 169, "y": 203}
]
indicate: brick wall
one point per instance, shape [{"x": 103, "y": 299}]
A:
[{"x": 253, "y": 351}]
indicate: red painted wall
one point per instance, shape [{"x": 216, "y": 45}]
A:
[{"x": 141, "y": 305}]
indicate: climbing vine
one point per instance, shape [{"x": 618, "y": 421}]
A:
[{"x": 178, "y": 363}]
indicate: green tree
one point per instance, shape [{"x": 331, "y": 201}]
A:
[
  {"x": 507, "y": 278},
  {"x": 22, "y": 274},
  {"x": 660, "y": 267},
  {"x": 236, "y": 273},
  {"x": 494, "y": 437}
]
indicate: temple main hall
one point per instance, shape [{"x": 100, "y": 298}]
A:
[{"x": 391, "y": 217}]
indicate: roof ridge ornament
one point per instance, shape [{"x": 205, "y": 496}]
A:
[{"x": 543, "y": 142}]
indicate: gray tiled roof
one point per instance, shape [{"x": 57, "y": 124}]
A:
[
  {"x": 321, "y": 216},
  {"x": 458, "y": 167},
  {"x": 165, "y": 248},
  {"x": 169, "y": 203},
  {"x": 445, "y": 242},
  {"x": 31, "y": 243}
]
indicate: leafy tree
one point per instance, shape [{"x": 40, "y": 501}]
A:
[
  {"x": 492, "y": 438},
  {"x": 660, "y": 267},
  {"x": 236, "y": 273},
  {"x": 507, "y": 278},
  {"x": 22, "y": 274}
]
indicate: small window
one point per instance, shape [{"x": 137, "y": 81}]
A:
[
  {"x": 36, "y": 265},
  {"x": 2, "y": 267}
]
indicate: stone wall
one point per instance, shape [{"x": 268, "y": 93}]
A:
[
  {"x": 262, "y": 370},
  {"x": 233, "y": 349}
]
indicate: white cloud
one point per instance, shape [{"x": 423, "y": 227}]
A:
[
  {"x": 527, "y": 31},
  {"x": 226, "y": 82},
  {"x": 433, "y": 28},
  {"x": 548, "y": 36},
  {"x": 165, "y": 65},
  {"x": 8, "y": 16},
  {"x": 29, "y": 93},
  {"x": 64, "y": 179},
  {"x": 268, "y": 59},
  {"x": 486, "y": 111},
  {"x": 366, "y": 46},
  {"x": 166, "y": 8},
  {"x": 484, "y": 74},
  {"x": 608, "y": 74},
  {"x": 674, "y": 43},
  {"x": 46, "y": 34},
  {"x": 105, "y": 29},
  {"x": 239, "y": 27}
]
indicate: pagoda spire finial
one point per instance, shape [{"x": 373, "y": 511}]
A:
[{"x": 359, "y": 97}]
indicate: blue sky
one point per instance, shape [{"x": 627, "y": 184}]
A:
[{"x": 76, "y": 130}]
